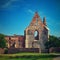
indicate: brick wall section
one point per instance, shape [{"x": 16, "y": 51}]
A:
[
  {"x": 17, "y": 50},
  {"x": 1, "y": 51}
]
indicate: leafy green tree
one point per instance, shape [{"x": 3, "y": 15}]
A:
[
  {"x": 2, "y": 41},
  {"x": 53, "y": 42}
]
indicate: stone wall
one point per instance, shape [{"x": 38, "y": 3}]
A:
[
  {"x": 40, "y": 27},
  {"x": 54, "y": 49},
  {"x": 19, "y": 50}
]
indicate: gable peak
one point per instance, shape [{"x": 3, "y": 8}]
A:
[{"x": 36, "y": 15}]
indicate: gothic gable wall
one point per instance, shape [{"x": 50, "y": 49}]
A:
[{"x": 36, "y": 25}]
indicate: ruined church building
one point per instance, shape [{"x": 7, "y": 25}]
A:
[{"x": 35, "y": 35}]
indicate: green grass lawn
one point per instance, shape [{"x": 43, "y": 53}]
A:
[{"x": 27, "y": 56}]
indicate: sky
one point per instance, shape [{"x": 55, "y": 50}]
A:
[{"x": 16, "y": 15}]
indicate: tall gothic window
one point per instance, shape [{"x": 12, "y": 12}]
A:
[{"x": 36, "y": 35}]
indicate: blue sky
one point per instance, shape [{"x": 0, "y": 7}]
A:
[{"x": 16, "y": 15}]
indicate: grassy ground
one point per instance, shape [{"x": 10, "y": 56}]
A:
[{"x": 27, "y": 56}]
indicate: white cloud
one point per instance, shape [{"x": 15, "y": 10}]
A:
[
  {"x": 6, "y": 4},
  {"x": 9, "y": 3},
  {"x": 30, "y": 11}
]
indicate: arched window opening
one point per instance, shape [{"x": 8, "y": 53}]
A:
[{"x": 36, "y": 35}]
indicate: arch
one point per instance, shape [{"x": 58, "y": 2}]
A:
[{"x": 36, "y": 35}]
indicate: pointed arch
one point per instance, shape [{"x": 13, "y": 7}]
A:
[{"x": 36, "y": 35}]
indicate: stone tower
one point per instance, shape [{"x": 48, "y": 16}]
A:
[{"x": 36, "y": 34}]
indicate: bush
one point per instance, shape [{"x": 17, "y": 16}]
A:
[{"x": 6, "y": 51}]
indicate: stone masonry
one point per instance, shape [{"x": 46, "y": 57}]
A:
[{"x": 40, "y": 27}]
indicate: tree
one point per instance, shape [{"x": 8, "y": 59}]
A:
[
  {"x": 2, "y": 41},
  {"x": 53, "y": 42}
]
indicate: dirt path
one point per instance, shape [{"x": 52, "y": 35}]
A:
[{"x": 57, "y": 58}]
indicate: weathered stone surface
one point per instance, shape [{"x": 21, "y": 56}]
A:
[{"x": 39, "y": 26}]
